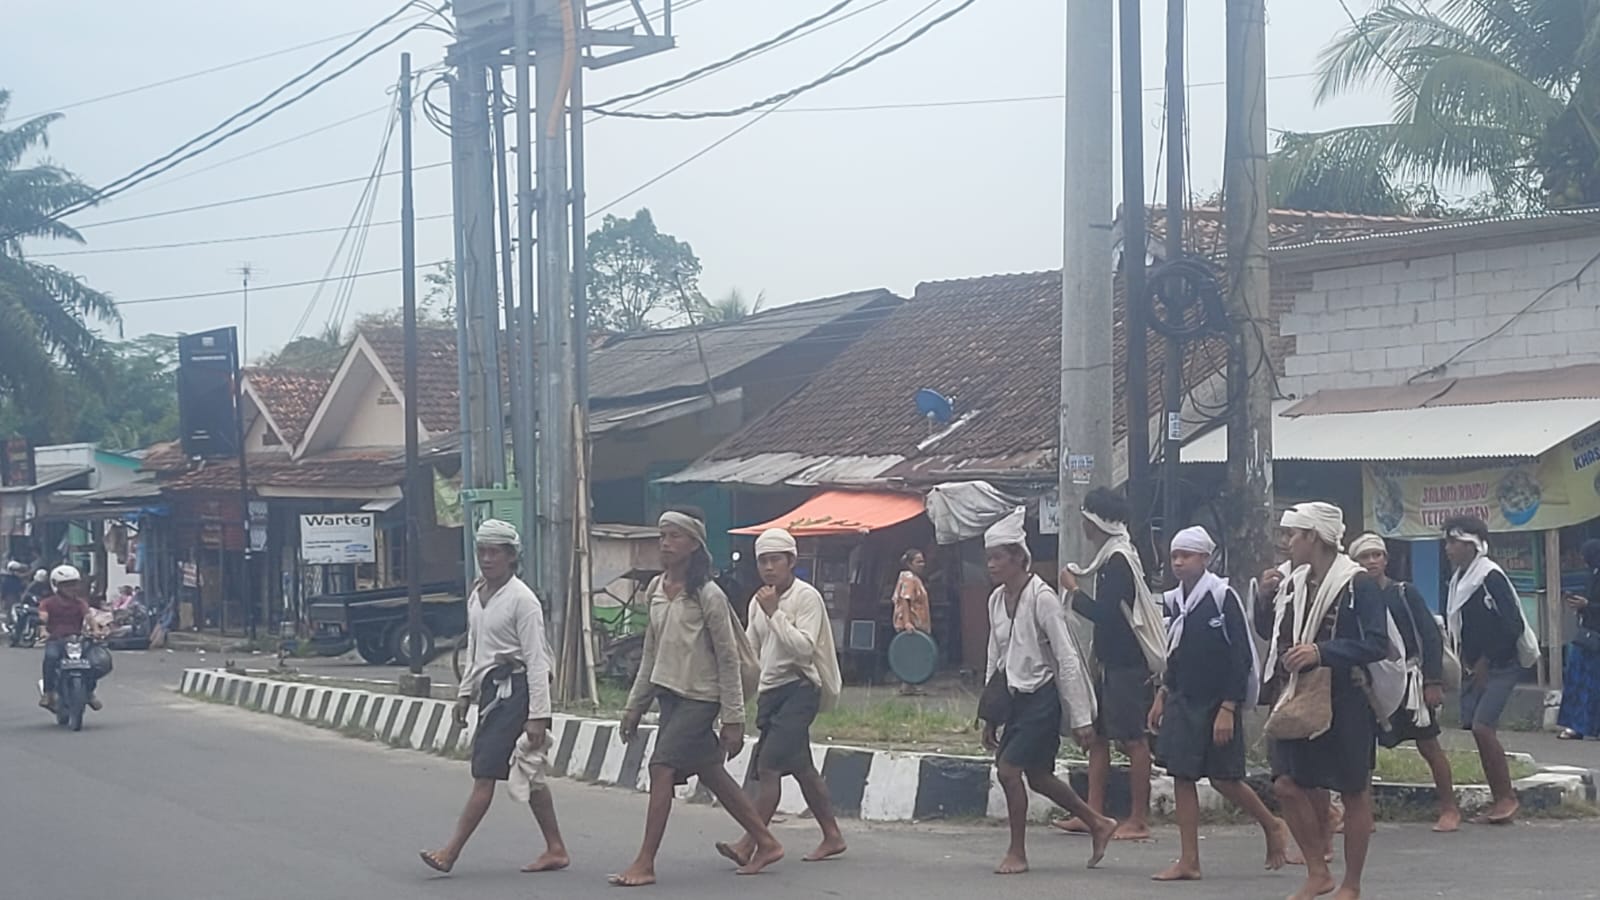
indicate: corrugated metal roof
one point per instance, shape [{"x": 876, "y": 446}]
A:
[
  {"x": 769, "y": 469},
  {"x": 1483, "y": 431},
  {"x": 1568, "y": 382}
]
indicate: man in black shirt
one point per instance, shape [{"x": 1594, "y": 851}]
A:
[
  {"x": 1128, "y": 648},
  {"x": 1485, "y": 617}
]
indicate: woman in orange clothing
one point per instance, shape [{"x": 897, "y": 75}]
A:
[{"x": 911, "y": 601}]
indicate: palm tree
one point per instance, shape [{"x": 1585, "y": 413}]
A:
[
  {"x": 44, "y": 310},
  {"x": 731, "y": 307},
  {"x": 1502, "y": 92}
]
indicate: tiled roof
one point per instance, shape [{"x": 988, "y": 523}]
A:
[
  {"x": 1204, "y": 232},
  {"x": 666, "y": 360},
  {"x": 290, "y": 396},
  {"x": 438, "y": 393},
  {"x": 993, "y": 344},
  {"x": 341, "y": 469}
]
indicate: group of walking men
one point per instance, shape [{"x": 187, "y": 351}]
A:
[{"x": 1103, "y": 660}]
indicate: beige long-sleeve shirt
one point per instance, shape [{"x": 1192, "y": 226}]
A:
[
  {"x": 788, "y": 640},
  {"x": 691, "y": 649},
  {"x": 1036, "y": 649}
]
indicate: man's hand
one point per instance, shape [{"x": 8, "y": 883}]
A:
[
  {"x": 536, "y": 730},
  {"x": 768, "y": 598},
  {"x": 733, "y": 738},
  {"x": 462, "y": 707},
  {"x": 629, "y": 725},
  {"x": 991, "y": 739},
  {"x": 1302, "y": 657},
  {"x": 1433, "y": 695},
  {"x": 1157, "y": 710},
  {"x": 1577, "y": 601},
  {"x": 1069, "y": 581},
  {"x": 1084, "y": 736},
  {"x": 1222, "y": 727},
  {"x": 1271, "y": 580}
]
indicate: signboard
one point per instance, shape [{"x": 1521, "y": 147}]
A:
[
  {"x": 1050, "y": 514},
  {"x": 337, "y": 538},
  {"x": 1080, "y": 467},
  {"x": 1560, "y": 488}
]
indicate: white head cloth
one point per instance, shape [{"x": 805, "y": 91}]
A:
[
  {"x": 1110, "y": 528},
  {"x": 688, "y": 523},
  {"x": 1009, "y": 530},
  {"x": 776, "y": 540},
  {"x": 498, "y": 531},
  {"x": 1325, "y": 519},
  {"x": 1456, "y": 534},
  {"x": 1194, "y": 539},
  {"x": 1366, "y": 543}
]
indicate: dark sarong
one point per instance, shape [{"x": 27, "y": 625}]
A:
[
  {"x": 1342, "y": 758},
  {"x": 784, "y": 715},
  {"x": 1031, "y": 737},
  {"x": 1185, "y": 748},
  {"x": 500, "y": 723},
  {"x": 1580, "y": 692},
  {"x": 686, "y": 737},
  {"x": 1124, "y": 699}
]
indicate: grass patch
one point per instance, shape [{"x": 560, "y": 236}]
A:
[
  {"x": 899, "y": 725},
  {"x": 1404, "y": 765}
]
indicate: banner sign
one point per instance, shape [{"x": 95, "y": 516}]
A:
[
  {"x": 337, "y": 539},
  {"x": 1560, "y": 488}
]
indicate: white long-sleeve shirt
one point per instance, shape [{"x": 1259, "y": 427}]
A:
[
  {"x": 1036, "y": 649},
  {"x": 787, "y": 641},
  {"x": 508, "y": 626}
]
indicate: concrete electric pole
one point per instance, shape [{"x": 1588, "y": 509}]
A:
[
  {"x": 1085, "y": 449},
  {"x": 1245, "y": 211}
]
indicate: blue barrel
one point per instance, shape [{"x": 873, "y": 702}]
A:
[{"x": 913, "y": 657}]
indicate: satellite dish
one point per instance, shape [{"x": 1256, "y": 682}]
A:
[{"x": 935, "y": 406}]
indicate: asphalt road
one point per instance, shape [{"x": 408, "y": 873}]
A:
[{"x": 161, "y": 797}]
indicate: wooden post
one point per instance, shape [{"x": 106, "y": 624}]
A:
[{"x": 1550, "y": 635}]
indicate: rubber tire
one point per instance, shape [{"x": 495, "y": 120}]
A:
[
  {"x": 73, "y": 699},
  {"x": 397, "y": 644},
  {"x": 374, "y": 648}
]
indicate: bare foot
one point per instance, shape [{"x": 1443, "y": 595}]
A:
[
  {"x": 1348, "y": 893},
  {"x": 760, "y": 858},
  {"x": 637, "y": 875},
  {"x": 1279, "y": 847},
  {"x": 550, "y": 861},
  {"x": 1073, "y": 825},
  {"x": 1178, "y": 871},
  {"x": 1314, "y": 888},
  {"x": 1449, "y": 821},
  {"x": 828, "y": 849},
  {"x": 438, "y": 860},
  {"x": 1102, "y": 839},
  {"x": 1013, "y": 864},
  {"x": 738, "y": 854},
  {"x": 1503, "y": 813},
  {"x": 1292, "y": 855},
  {"x": 1131, "y": 831}
]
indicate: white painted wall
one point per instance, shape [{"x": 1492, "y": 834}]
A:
[
  {"x": 1381, "y": 324},
  {"x": 377, "y": 420}
]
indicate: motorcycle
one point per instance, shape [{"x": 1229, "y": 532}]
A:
[
  {"x": 74, "y": 675},
  {"x": 23, "y": 624}
]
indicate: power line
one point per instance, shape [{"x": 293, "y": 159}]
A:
[
  {"x": 762, "y": 115},
  {"x": 239, "y": 239},
  {"x": 790, "y": 94}
]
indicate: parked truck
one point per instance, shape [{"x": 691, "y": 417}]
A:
[{"x": 375, "y": 620}]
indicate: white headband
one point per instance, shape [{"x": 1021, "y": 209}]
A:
[
  {"x": 1194, "y": 539},
  {"x": 1367, "y": 543},
  {"x": 498, "y": 531},
  {"x": 1325, "y": 519},
  {"x": 1456, "y": 534},
  {"x": 687, "y": 522},
  {"x": 776, "y": 540},
  {"x": 1114, "y": 529}
]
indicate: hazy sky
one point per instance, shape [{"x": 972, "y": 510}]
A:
[{"x": 801, "y": 205}]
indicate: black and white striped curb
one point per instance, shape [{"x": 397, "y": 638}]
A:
[{"x": 874, "y": 785}]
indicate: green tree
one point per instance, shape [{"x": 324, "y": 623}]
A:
[
  {"x": 323, "y": 350},
  {"x": 45, "y": 311},
  {"x": 731, "y": 307},
  {"x": 1498, "y": 92},
  {"x": 133, "y": 404},
  {"x": 635, "y": 272}
]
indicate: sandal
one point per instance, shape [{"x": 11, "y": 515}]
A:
[{"x": 1567, "y": 734}]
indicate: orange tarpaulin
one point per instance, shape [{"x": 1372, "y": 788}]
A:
[{"x": 844, "y": 512}]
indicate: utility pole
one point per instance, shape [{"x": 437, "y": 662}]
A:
[
  {"x": 1245, "y": 211},
  {"x": 414, "y": 683},
  {"x": 1172, "y": 381},
  {"x": 531, "y": 367},
  {"x": 555, "y": 57},
  {"x": 1086, "y": 275},
  {"x": 1135, "y": 307}
]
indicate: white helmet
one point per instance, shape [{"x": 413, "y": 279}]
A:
[
  {"x": 64, "y": 574},
  {"x": 41, "y": 576},
  {"x": 16, "y": 568}
]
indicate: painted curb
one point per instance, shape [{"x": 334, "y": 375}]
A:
[{"x": 873, "y": 785}]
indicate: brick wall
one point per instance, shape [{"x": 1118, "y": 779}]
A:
[{"x": 1383, "y": 323}]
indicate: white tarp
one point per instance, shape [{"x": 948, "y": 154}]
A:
[{"x": 961, "y": 510}]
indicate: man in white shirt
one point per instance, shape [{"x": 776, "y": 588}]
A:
[
  {"x": 789, "y": 629},
  {"x": 508, "y": 670}
]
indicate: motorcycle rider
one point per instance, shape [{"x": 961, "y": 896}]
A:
[
  {"x": 63, "y": 614},
  {"x": 11, "y": 584},
  {"x": 39, "y": 589}
]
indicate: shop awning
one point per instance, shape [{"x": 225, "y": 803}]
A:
[{"x": 844, "y": 512}]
